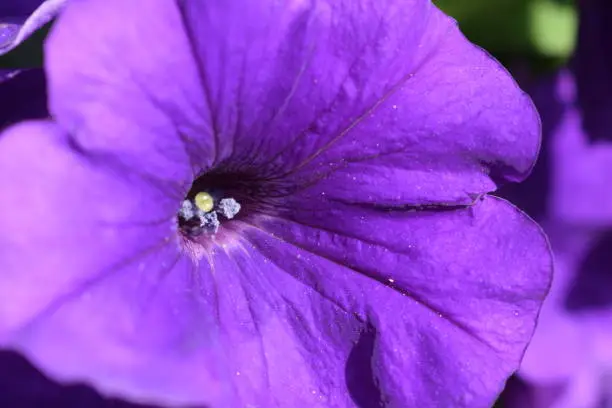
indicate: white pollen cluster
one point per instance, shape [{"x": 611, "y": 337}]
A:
[
  {"x": 229, "y": 207},
  {"x": 202, "y": 221},
  {"x": 208, "y": 221},
  {"x": 187, "y": 210}
]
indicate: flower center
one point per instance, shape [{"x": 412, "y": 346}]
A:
[
  {"x": 204, "y": 213},
  {"x": 218, "y": 206}
]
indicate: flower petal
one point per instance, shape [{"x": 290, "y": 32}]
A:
[
  {"x": 466, "y": 283},
  {"x": 70, "y": 207},
  {"x": 558, "y": 332},
  {"x": 73, "y": 222},
  {"x": 94, "y": 289},
  {"x": 389, "y": 90},
  {"x": 135, "y": 94},
  {"x": 146, "y": 323},
  {"x": 109, "y": 301},
  {"x": 564, "y": 348}
]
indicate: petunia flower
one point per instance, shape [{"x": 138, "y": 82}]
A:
[
  {"x": 571, "y": 351},
  {"x": 357, "y": 140}
]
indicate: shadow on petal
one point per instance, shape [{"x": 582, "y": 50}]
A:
[
  {"x": 520, "y": 394},
  {"x": 360, "y": 380}
]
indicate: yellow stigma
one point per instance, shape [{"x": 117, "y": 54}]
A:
[{"x": 204, "y": 201}]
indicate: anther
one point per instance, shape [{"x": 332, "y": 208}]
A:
[
  {"x": 228, "y": 207},
  {"x": 187, "y": 211},
  {"x": 201, "y": 214}
]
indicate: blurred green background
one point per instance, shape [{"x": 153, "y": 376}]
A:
[{"x": 533, "y": 35}]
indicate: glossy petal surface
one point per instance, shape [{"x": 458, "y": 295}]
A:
[
  {"x": 350, "y": 123},
  {"x": 241, "y": 329},
  {"x": 422, "y": 278},
  {"x": 124, "y": 98},
  {"x": 306, "y": 89}
]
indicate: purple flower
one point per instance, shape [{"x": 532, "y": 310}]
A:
[
  {"x": 571, "y": 346},
  {"x": 571, "y": 351},
  {"x": 366, "y": 264}
]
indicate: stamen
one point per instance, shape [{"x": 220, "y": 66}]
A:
[
  {"x": 209, "y": 221},
  {"x": 187, "y": 211},
  {"x": 228, "y": 207},
  {"x": 201, "y": 214}
]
